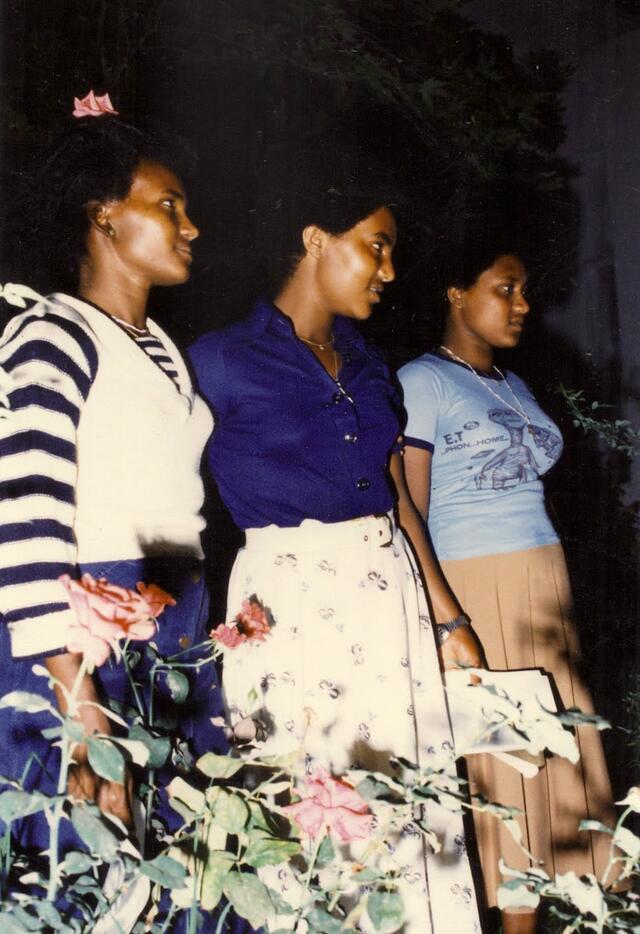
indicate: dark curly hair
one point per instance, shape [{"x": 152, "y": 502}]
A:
[
  {"x": 332, "y": 188},
  {"x": 94, "y": 160}
]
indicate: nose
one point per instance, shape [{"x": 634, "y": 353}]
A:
[
  {"x": 520, "y": 303},
  {"x": 387, "y": 271},
  {"x": 188, "y": 229}
]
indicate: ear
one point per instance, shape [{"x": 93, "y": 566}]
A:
[
  {"x": 98, "y": 214},
  {"x": 314, "y": 239},
  {"x": 454, "y": 294}
]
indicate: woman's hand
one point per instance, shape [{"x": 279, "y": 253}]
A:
[
  {"x": 83, "y": 783},
  {"x": 462, "y": 648},
  {"x": 112, "y": 798}
]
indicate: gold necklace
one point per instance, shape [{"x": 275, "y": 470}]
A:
[
  {"x": 519, "y": 410},
  {"x": 328, "y": 343}
]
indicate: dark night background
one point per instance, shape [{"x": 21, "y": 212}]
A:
[{"x": 531, "y": 100}]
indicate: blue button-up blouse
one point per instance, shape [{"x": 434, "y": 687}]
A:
[{"x": 289, "y": 444}]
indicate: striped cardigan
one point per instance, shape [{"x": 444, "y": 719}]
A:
[{"x": 100, "y": 458}]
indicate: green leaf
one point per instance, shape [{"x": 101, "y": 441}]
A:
[
  {"x": 178, "y": 685},
  {"x": 386, "y": 911},
  {"x": 159, "y": 746},
  {"x": 217, "y": 867},
  {"x": 48, "y": 913},
  {"x": 371, "y": 788},
  {"x": 74, "y": 730},
  {"x": 90, "y": 826},
  {"x": 595, "y": 825},
  {"x": 26, "y": 920},
  {"x": 265, "y": 850},
  {"x": 165, "y": 870},
  {"x": 322, "y": 922},
  {"x": 17, "y": 804},
  {"x": 326, "y": 852},
  {"x": 52, "y": 732},
  {"x": 215, "y": 766},
  {"x": 249, "y": 897},
  {"x": 106, "y": 759},
  {"x": 259, "y": 817},
  {"x": 368, "y": 874},
  {"x": 230, "y": 811},
  {"x": 10, "y": 925},
  {"x": 76, "y": 862},
  {"x": 29, "y": 703}
]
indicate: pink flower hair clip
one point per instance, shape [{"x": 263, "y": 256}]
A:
[{"x": 92, "y": 106}]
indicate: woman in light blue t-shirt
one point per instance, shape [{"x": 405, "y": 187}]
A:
[{"x": 476, "y": 446}]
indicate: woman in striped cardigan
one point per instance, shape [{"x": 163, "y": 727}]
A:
[{"x": 100, "y": 453}]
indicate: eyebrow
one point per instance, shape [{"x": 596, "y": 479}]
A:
[
  {"x": 384, "y": 236},
  {"x": 174, "y": 194}
]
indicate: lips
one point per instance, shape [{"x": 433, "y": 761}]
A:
[{"x": 186, "y": 252}]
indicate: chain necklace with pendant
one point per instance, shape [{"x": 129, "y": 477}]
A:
[
  {"x": 334, "y": 376},
  {"x": 517, "y": 408}
]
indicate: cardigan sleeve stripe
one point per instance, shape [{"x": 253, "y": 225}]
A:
[
  {"x": 34, "y": 612},
  {"x": 52, "y": 361},
  {"x": 35, "y": 440},
  {"x": 38, "y": 528},
  {"x": 46, "y": 399},
  {"x": 44, "y": 352},
  {"x": 39, "y": 485}
]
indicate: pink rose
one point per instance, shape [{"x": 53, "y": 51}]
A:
[
  {"x": 252, "y": 620},
  {"x": 155, "y": 597},
  {"x": 251, "y": 624},
  {"x": 106, "y": 613},
  {"x": 334, "y": 804},
  {"x": 92, "y": 106},
  {"x": 229, "y": 636}
]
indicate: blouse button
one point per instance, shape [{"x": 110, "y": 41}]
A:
[
  {"x": 363, "y": 483},
  {"x": 184, "y": 642},
  {"x": 351, "y": 437}
]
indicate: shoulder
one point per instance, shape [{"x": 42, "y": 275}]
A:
[
  {"x": 52, "y": 329},
  {"x": 516, "y": 382},
  {"x": 426, "y": 374}
]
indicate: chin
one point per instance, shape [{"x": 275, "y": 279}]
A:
[{"x": 178, "y": 279}]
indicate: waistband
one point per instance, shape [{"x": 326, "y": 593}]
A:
[{"x": 313, "y": 535}]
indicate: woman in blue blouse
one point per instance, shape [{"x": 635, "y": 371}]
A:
[{"x": 305, "y": 456}]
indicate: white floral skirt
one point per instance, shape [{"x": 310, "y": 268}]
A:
[{"x": 350, "y": 676}]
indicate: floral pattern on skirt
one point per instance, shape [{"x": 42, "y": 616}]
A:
[{"x": 350, "y": 676}]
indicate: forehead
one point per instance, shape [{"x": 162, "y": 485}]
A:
[
  {"x": 151, "y": 178},
  {"x": 380, "y": 223},
  {"x": 507, "y": 267}
]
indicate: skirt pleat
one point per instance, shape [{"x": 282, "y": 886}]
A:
[{"x": 521, "y": 608}]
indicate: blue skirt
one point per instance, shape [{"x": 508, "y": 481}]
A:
[{"x": 26, "y": 753}]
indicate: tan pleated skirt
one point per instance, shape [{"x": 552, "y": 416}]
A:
[{"x": 522, "y": 610}]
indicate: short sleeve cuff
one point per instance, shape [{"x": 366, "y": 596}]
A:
[{"x": 410, "y": 442}]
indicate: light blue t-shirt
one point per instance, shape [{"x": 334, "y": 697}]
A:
[{"x": 486, "y": 493}]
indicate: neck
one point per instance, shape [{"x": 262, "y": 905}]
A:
[
  {"x": 126, "y": 300},
  {"x": 310, "y": 319},
  {"x": 469, "y": 348}
]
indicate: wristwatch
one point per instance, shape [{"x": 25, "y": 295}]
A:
[{"x": 444, "y": 630}]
